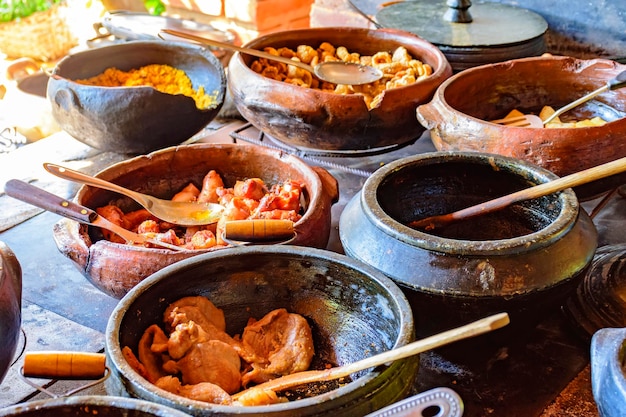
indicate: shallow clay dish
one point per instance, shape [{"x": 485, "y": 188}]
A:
[
  {"x": 116, "y": 268},
  {"x": 309, "y": 118},
  {"x": 458, "y": 113}
]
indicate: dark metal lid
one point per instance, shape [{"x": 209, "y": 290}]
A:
[
  {"x": 491, "y": 24},
  {"x": 469, "y": 34}
]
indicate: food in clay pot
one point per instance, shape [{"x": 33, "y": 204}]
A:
[
  {"x": 352, "y": 311},
  {"x": 460, "y": 116},
  {"x": 115, "y": 268},
  {"x": 283, "y": 105}
]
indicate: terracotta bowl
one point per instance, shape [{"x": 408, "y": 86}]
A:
[
  {"x": 524, "y": 259},
  {"x": 458, "y": 113},
  {"x": 354, "y": 312},
  {"x": 133, "y": 120},
  {"x": 308, "y": 118},
  {"x": 116, "y": 268},
  {"x": 10, "y": 306}
]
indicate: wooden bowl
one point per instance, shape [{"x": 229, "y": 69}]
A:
[
  {"x": 116, "y": 268},
  {"x": 133, "y": 120},
  {"x": 309, "y": 118},
  {"x": 459, "y": 112}
]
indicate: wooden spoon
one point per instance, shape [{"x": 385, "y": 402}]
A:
[
  {"x": 481, "y": 326},
  {"x": 560, "y": 184}
]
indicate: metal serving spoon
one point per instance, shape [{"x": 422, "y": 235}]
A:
[
  {"x": 336, "y": 72},
  {"x": 176, "y": 212}
]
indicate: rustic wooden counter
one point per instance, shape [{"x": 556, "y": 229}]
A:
[{"x": 548, "y": 375}]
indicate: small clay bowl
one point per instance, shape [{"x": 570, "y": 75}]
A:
[
  {"x": 354, "y": 312},
  {"x": 134, "y": 120},
  {"x": 524, "y": 259},
  {"x": 459, "y": 113},
  {"x": 116, "y": 268},
  {"x": 312, "y": 119}
]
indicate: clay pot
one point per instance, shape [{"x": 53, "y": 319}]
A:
[
  {"x": 116, "y": 268},
  {"x": 10, "y": 306},
  {"x": 608, "y": 377},
  {"x": 309, "y": 118},
  {"x": 90, "y": 405},
  {"x": 353, "y": 310},
  {"x": 524, "y": 259},
  {"x": 133, "y": 120},
  {"x": 458, "y": 113}
]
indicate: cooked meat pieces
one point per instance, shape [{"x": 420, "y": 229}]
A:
[
  {"x": 186, "y": 335},
  {"x": 211, "y": 361},
  {"x": 279, "y": 344},
  {"x": 194, "y": 308},
  {"x": 204, "y": 391},
  {"x": 151, "y": 347}
]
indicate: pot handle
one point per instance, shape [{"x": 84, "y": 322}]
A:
[
  {"x": 66, "y": 99},
  {"x": 330, "y": 185},
  {"x": 258, "y": 231},
  {"x": 64, "y": 365},
  {"x": 427, "y": 115}
]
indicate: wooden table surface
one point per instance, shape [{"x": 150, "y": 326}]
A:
[{"x": 548, "y": 375}]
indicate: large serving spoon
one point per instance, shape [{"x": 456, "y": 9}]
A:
[
  {"x": 475, "y": 328},
  {"x": 38, "y": 197},
  {"x": 560, "y": 184},
  {"x": 336, "y": 72},
  {"x": 176, "y": 212}
]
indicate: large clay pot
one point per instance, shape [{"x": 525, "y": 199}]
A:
[
  {"x": 524, "y": 259},
  {"x": 309, "y": 118},
  {"x": 116, "y": 268},
  {"x": 458, "y": 114},
  {"x": 134, "y": 120},
  {"x": 354, "y": 312},
  {"x": 10, "y": 306}
]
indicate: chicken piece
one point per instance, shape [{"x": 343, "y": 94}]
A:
[
  {"x": 279, "y": 344},
  {"x": 148, "y": 226},
  {"x": 280, "y": 215},
  {"x": 212, "y": 361},
  {"x": 281, "y": 197},
  {"x": 166, "y": 237},
  {"x": 194, "y": 308},
  {"x": 257, "y": 396},
  {"x": 187, "y": 334},
  {"x": 151, "y": 358},
  {"x": 135, "y": 218},
  {"x": 204, "y": 391},
  {"x": 252, "y": 188},
  {"x": 134, "y": 362},
  {"x": 224, "y": 195},
  {"x": 203, "y": 239},
  {"x": 187, "y": 194},
  {"x": 211, "y": 182},
  {"x": 115, "y": 215}
]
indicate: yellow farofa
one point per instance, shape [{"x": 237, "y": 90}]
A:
[{"x": 163, "y": 78}]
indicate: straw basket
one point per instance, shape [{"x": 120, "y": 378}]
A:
[{"x": 43, "y": 36}]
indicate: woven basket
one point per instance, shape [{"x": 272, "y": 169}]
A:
[{"x": 44, "y": 36}]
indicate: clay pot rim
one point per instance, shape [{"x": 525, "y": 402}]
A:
[
  {"x": 544, "y": 237},
  {"x": 440, "y": 69},
  {"x": 114, "y": 350},
  {"x": 565, "y": 61},
  {"x": 314, "y": 199}
]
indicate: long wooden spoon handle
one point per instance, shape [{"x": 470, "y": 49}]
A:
[
  {"x": 478, "y": 327},
  {"x": 572, "y": 180}
]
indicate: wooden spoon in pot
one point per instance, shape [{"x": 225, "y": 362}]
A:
[
  {"x": 475, "y": 328},
  {"x": 560, "y": 184}
]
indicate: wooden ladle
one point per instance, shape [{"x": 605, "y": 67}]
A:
[
  {"x": 475, "y": 328},
  {"x": 560, "y": 184}
]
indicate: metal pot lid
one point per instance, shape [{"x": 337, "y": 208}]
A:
[
  {"x": 464, "y": 24},
  {"x": 144, "y": 26}
]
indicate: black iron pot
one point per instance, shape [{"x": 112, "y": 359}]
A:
[
  {"x": 133, "y": 120},
  {"x": 10, "y": 306},
  {"x": 524, "y": 259},
  {"x": 90, "y": 406},
  {"x": 354, "y": 311}
]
